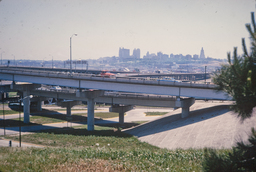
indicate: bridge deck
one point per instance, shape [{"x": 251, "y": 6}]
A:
[{"x": 133, "y": 85}]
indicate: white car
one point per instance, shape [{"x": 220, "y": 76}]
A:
[{"x": 55, "y": 88}]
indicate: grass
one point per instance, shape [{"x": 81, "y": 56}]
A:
[
  {"x": 104, "y": 148},
  {"x": 8, "y": 112},
  {"x": 12, "y": 94},
  {"x": 101, "y": 114},
  {"x": 42, "y": 120},
  {"x": 45, "y": 118},
  {"x": 66, "y": 109},
  {"x": 155, "y": 113}
]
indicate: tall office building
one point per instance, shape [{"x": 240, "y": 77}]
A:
[
  {"x": 124, "y": 53},
  {"x": 136, "y": 53},
  {"x": 202, "y": 56}
]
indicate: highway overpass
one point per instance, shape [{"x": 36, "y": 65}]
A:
[
  {"x": 132, "y": 85},
  {"x": 91, "y": 88}
]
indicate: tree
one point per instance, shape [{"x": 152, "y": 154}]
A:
[{"x": 238, "y": 78}]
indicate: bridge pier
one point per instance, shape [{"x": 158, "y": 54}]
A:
[
  {"x": 39, "y": 105},
  {"x": 25, "y": 88},
  {"x": 184, "y": 104},
  {"x": 26, "y": 106},
  {"x": 121, "y": 110},
  {"x": 90, "y": 114},
  {"x": 90, "y": 95},
  {"x": 68, "y": 105}
]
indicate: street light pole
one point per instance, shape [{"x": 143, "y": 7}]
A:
[
  {"x": 71, "y": 53},
  {"x": 205, "y": 74},
  {"x": 14, "y": 60},
  {"x": 2, "y": 58},
  {"x": 52, "y": 61}
]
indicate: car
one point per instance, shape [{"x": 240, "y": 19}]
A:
[{"x": 55, "y": 88}]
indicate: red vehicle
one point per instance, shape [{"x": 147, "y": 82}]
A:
[{"x": 107, "y": 74}]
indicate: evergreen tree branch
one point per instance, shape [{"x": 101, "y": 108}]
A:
[
  {"x": 244, "y": 47},
  {"x": 253, "y": 21}
]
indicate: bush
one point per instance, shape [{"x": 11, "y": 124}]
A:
[{"x": 241, "y": 158}]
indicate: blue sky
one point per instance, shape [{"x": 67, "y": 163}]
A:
[{"x": 41, "y": 29}]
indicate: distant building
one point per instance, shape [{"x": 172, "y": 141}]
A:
[
  {"x": 165, "y": 56},
  {"x": 124, "y": 53},
  {"x": 136, "y": 53},
  {"x": 159, "y": 55},
  {"x": 150, "y": 56},
  {"x": 177, "y": 56},
  {"x": 188, "y": 57},
  {"x": 195, "y": 56},
  {"x": 202, "y": 56}
]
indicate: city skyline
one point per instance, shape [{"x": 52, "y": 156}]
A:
[{"x": 41, "y": 29}]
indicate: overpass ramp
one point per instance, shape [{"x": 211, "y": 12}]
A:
[{"x": 209, "y": 125}]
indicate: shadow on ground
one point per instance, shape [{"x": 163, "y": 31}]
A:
[
  {"x": 85, "y": 132},
  {"x": 175, "y": 121}
]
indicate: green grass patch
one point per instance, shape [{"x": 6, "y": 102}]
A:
[
  {"x": 12, "y": 94},
  {"x": 66, "y": 109},
  {"x": 78, "y": 149},
  {"x": 8, "y": 112},
  {"x": 42, "y": 120},
  {"x": 139, "y": 122},
  {"x": 155, "y": 113},
  {"x": 61, "y": 159},
  {"x": 45, "y": 118},
  {"x": 101, "y": 114}
]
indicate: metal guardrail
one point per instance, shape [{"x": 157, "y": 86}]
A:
[{"x": 93, "y": 77}]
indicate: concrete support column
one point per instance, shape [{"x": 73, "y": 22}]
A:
[
  {"x": 90, "y": 114},
  {"x": 26, "y": 106},
  {"x": 68, "y": 105},
  {"x": 121, "y": 117},
  {"x": 184, "y": 112},
  {"x": 121, "y": 110},
  {"x": 68, "y": 109},
  {"x": 39, "y": 105},
  {"x": 184, "y": 104},
  {"x": 90, "y": 95}
]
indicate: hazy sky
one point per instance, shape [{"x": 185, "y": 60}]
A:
[{"x": 41, "y": 29}]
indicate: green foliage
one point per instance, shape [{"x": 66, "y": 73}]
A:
[
  {"x": 238, "y": 78},
  {"x": 244, "y": 155},
  {"x": 241, "y": 158},
  {"x": 216, "y": 161}
]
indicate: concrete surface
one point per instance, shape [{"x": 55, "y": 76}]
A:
[{"x": 209, "y": 125}]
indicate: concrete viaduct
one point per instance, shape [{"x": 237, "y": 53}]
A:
[{"x": 91, "y": 89}]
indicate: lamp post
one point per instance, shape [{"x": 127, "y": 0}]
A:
[
  {"x": 2, "y": 58},
  {"x": 205, "y": 74},
  {"x": 52, "y": 61},
  {"x": 71, "y": 53},
  {"x": 14, "y": 60}
]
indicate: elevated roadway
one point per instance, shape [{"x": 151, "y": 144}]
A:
[
  {"x": 91, "y": 88},
  {"x": 132, "y": 85}
]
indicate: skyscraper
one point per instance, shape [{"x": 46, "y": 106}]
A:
[
  {"x": 124, "y": 53},
  {"x": 136, "y": 53},
  {"x": 202, "y": 56}
]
